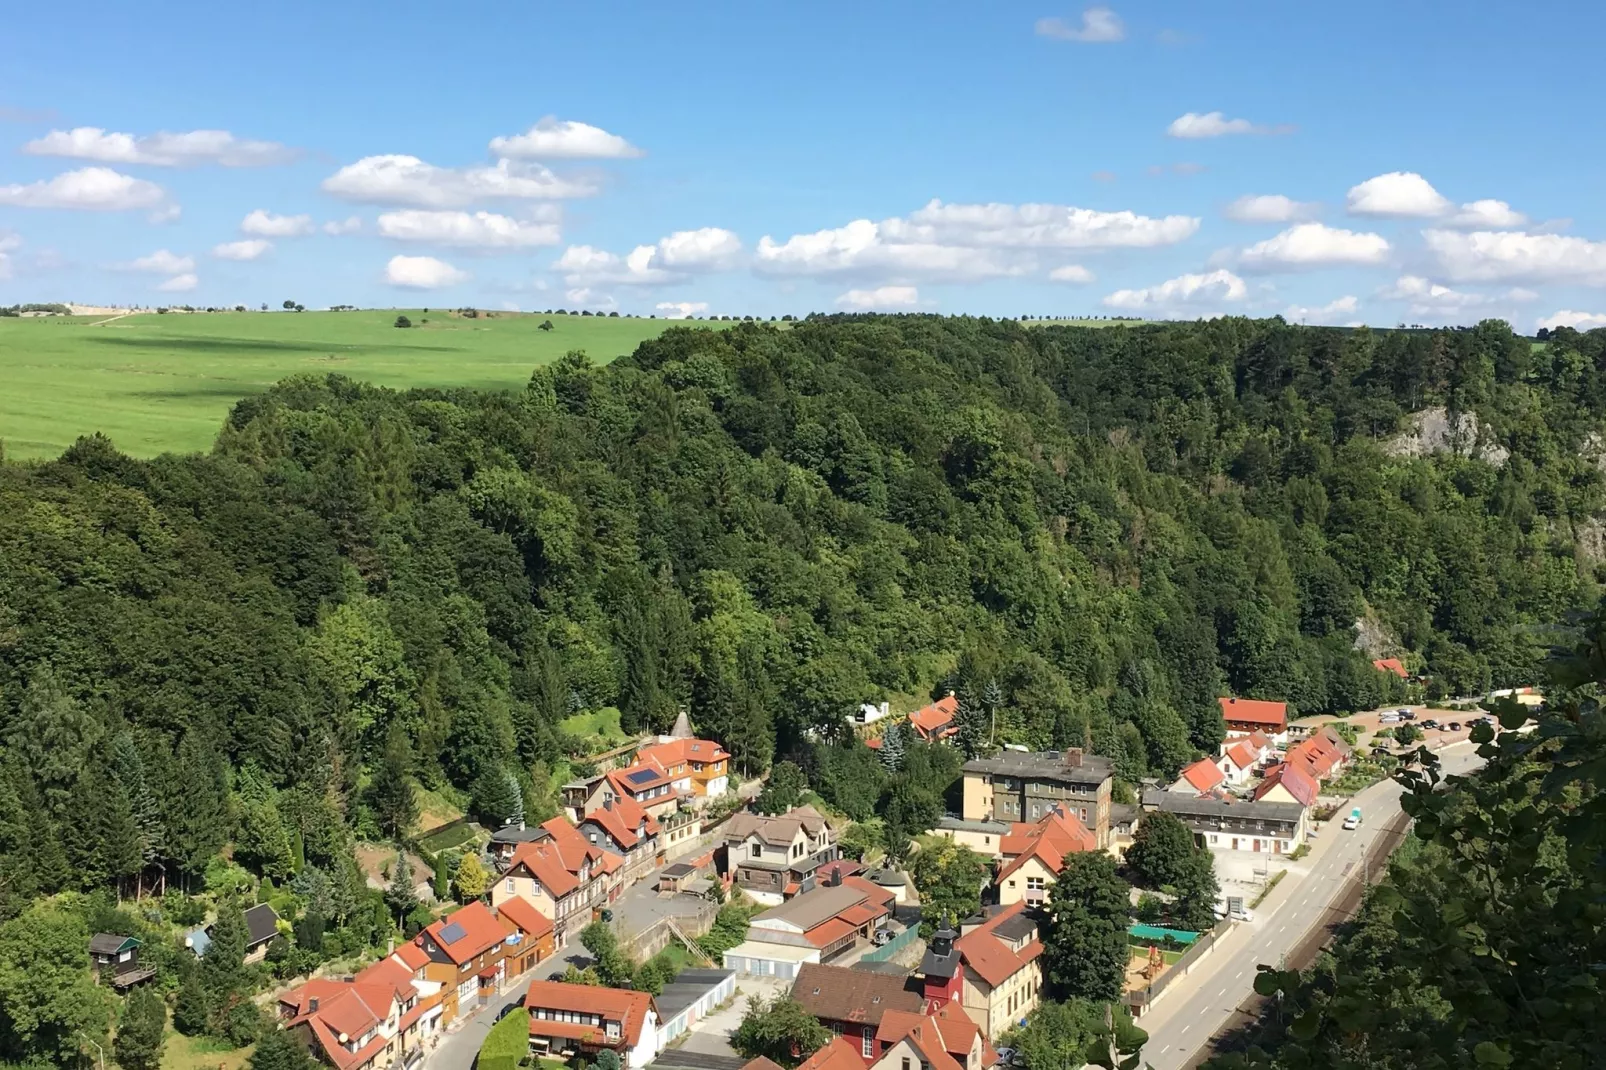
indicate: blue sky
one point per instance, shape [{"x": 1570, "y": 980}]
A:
[{"x": 1423, "y": 162}]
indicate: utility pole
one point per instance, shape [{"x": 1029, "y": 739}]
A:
[{"x": 97, "y": 1047}]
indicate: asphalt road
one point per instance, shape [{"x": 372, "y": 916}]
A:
[
  {"x": 456, "y": 1051},
  {"x": 1203, "y": 1003}
]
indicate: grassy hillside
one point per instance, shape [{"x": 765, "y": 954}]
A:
[{"x": 154, "y": 383}]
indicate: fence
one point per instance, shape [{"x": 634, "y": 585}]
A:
[
  {"x": 1140, "y": 1000},
  {"x": 893, "y": 946}
]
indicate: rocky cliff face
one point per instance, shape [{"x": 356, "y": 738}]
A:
[{"x": 1436, "y": 431}]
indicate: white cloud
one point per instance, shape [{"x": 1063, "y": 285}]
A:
[
  {"x": 1398, "y": 194},
  {"x": 1578, "y": 321},
  {"x": 1215, "y": 124},
  {"x": 409, "y": 180},
  {"x": 1342, "y": 309},
  {"x": 1427, "y": 298},
  {"x": 1515, "y": 256},
  {"x": 1185, "y": 290},
  {"x": 249, "y": 249},
  {"x": 349, "y": 225},
  {"x": 679, "y": 310},
  {"x": 671, "y": 259},
  {"x": 179, "y": 284},
  {"x": 1488, "y": 215},
  {"x": 585, "y": 296},
  {"x": 1307, "y": 245},
  {"x": 1075, "y": 273},
  {"x": 8, "y": 242},
  {"x": 98, "y": 189},
  {"x": 167, "y": 213},
  {"x": 1099, "y": 25},
  {"x": 161, "y": 149},
  {"x": 880, "y": 297},
  {"x": 422, "y": 273},
  {"x": 1270, "y": 208},
  {"x": 162, "y": 262},
  {"x": 965, "y": 241},
  {"x": 555, "y": 139},
  {"x": 468, "y": 230},
  {"x": 267, "y": 225}
]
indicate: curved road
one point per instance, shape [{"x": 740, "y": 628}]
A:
[{"x": 1198, "y": 1006}]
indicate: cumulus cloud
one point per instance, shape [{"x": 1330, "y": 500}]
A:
[
  {"x": 881, "y": 297},
  {"x": 98, "y": 189},
  {"x": 407, "y": 180},
  {"x": 249, "y": 249},
  {"x": 555, "y": 139},
  {"x": 1215, "y": 124},
  {"x": 1515, "y": 256},
  {"x": 160, "y": 150},
  {"x": 1427, "y": 298},
  {"x": 1183, "y": 291},
  {"x": 349, "y": 225},
  {"x": 267, "y": 225},
  {"x": 1074, "y": 273},
  {"x": 468, "y": 230},
  {"x": 672, "y": 259},
  {"x": 584, "y": 295},
  {"x": 964, "y": 241},
  {"x": 1578, "y": 321},
  {"x": 1488, "y": 215},
  {"x": 1099, "y": 26},
  {"x": 180, "y": 283},
  {"x": 679, "y": 310},
  {"x": 1270, "y": 208},
  {"x": 1398, "y": 194},
  {"x": 1310, "y": 245},
  {"x": 422, "y": 273},
  {"x": 1337, "y": 311},
  {"x": 162, "y": 262}
]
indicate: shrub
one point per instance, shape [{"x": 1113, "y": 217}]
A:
[
  {"x": 403, "y": 321},
  {"x": 507, "y": 1043}
]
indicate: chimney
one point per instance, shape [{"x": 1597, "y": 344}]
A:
[
  {"x": 607, "y": 803},
  {"x": 1073, "y": 757},
  {"x": 835, "y": 880},
  {"x": 312, "y": 1005}
]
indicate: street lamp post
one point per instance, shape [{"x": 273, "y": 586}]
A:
[{"x": 97, "y": 1047}]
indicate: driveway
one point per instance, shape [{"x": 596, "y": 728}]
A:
[{"x": 711, "y": 1035}]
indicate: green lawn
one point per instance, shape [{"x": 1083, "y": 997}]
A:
[
  {"x": 602, "y": 723},
  {"x": 157, "y": 383},
  {"x": 201, "y": 1053}
]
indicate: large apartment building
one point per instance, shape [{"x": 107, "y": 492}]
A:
[{"x": 1014, "y": 786}]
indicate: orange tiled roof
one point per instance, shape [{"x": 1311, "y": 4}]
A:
[
  {"x": 1296, "y": 780},
  {"x": 989, "y": 956},
  {"x": 572, "y": 848},
  {"x": 1241, "y": 754},
  {"x": 1203, "y": 774},
  {"x": 1055, "y": 835},
  {"x": 482, "y": 930},
  {"x": 1392, "y": 665},
  {"x": 838, "y": 1054},
  {"x": 627, "y": 1008},
  {"x": 543, "y": 861},
  {"x": 937, "y": 718},
  {"x": 622, "y": 819},
  {"x": 1255, "y": 711},
  {"x": 677, "y": 751},
  {"x": 920, "y": 1031},
  {"x": 522, "y": 913}
]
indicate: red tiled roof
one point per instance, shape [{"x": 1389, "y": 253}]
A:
[
  {"x": 412, "y": 956},
  {"x": 920, "y": 1031},
  {"x": 676, "y": 751},
  {"x": 1259, "y": 740},
  {"x": 573, "y": 850},
  {"x": 621, "y": 820},
  {"x": 937, "y": 718},
  {"x": 877, "y": 894},
  {"x": 873, "y": 744},
  {"x": 1203, "y": 774},
  {"x": 1055, "y": 835},
  {"x": 1241, "y": 754},
  {"x": 829, "y": 932},
  {"x": 522, "y": 913},
  {"x": 482, "y": 931},
  {"x": 845, "y": 866},
  {"x": 329, "y": 1041},
  {"x": 1255, "y": 711},
  {"x": 544, "y": 862},
  {"x": 989, "y": 956},
  {"x": 627, "y": 1008},
  {"x": 1392, "y": 665},
  {"x": 760, "y": 1063},
  {"x": 1297, "y": 780},
  {"x": 836, "y": 1055}
]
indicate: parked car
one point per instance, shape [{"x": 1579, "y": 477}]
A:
[
  {"x": 1405, "y": 711},
  {"x": 1454, "y": 726},
  {"x": 1389, "y": 718},
  {"x": 1407, "y": 715},
  {"x": 1430, "y": 723}
]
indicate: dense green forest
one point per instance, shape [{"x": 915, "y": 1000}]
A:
[
  {"x": 1101, "y": 530},
  {"x": 1485, "y": 946}
]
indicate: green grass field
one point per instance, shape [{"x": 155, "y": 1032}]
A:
[{"x": 158, "y": 383}]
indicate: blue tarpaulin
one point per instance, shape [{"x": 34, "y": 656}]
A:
[{"x": 1155, "y": 934}]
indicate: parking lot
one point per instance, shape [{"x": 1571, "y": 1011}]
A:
[{"x": 1367, "y": 724}]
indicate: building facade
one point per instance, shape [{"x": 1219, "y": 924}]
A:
[{"x": 1014, "y": 786}]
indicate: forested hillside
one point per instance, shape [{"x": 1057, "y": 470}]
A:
[{"x": 766, "y": 527}]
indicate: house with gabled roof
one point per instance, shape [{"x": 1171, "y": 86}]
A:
[
  {"x": 1198, "y": 778},
  {"x": 699, "y": 769},
  {"x": 1264, "y": 826},
  {"x": 581, "y": 1020},
  {"x": 1392, "y": 666},
  {"x": 1289, "y": 782},
  {"x": 944, "y": 1039},
  {"x": 466, "y": 953},
  {"x": 621, "y": 827},
  {"x": 990, "y": 968},
  {"x": 1246, "y": 715},
  {"x": 1032, "y": 855},
  {"x": 385, "y": 1016},
  {"x": 775, "y": 857},
  {"x": 937, "y": 721},
  {"x": 853, "y": 1003},
  {"x": 563, "y": 876}
]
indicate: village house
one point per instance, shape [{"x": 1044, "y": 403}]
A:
[
  {"x": 620, "y": 827},
  {"x": 534, "y": 942},
  {"x": 990, "y": 968},
  {"x": 1241, "y": 756},
  {"x": 936, "y": 722},
  {"x": 944, "y": 1039},
  {"x": 1323, "y": 753},
  {"x": 1198, "y": 778},
  {"x": 853, "y": 1003},
  {"x": 1031, "y": 856},
  {"x": 1392, "y": 666},
  {"x": 774, "y": 858},
  {"x": 837, "y": 1054},
  {"x": 1016, "y": 786},
  {"x": 384, "y": 1017},
  {"x": 261, "y": 926},
  {"x": 1290, "y": 782},
  {"x": 1245, "y": 716},
  {"x": 811, "y": 928},
  {"x": 466, "y": 953},
  {"x": 115, "y": 960},
  {"x": 568, "y": 1020},
  {"x": 1260, "y": 826},
  {"x": 562, "y": 876},
  {"x": 699, "y": 769}
]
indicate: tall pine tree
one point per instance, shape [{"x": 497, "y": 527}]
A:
[{"x": 390, "y": 793}]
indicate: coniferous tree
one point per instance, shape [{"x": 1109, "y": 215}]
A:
[
  {"x": 263, "y": 842},
  {"x": 104, "y": 845},
  {"x": 142, "y": 1030},
  {"x": 400, "y": 895},
  {"x": 195, "y": 801},
  {"x": 280, "y": 1050},
  {"x": 892, "y": 740},
  {"x": 390, "y": 792},
  {"x": 127, "y": 764}
]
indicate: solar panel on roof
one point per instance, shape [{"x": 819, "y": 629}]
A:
[
  {"x": 453, "y": 933},
  {"x": 641, "y": 776}
]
